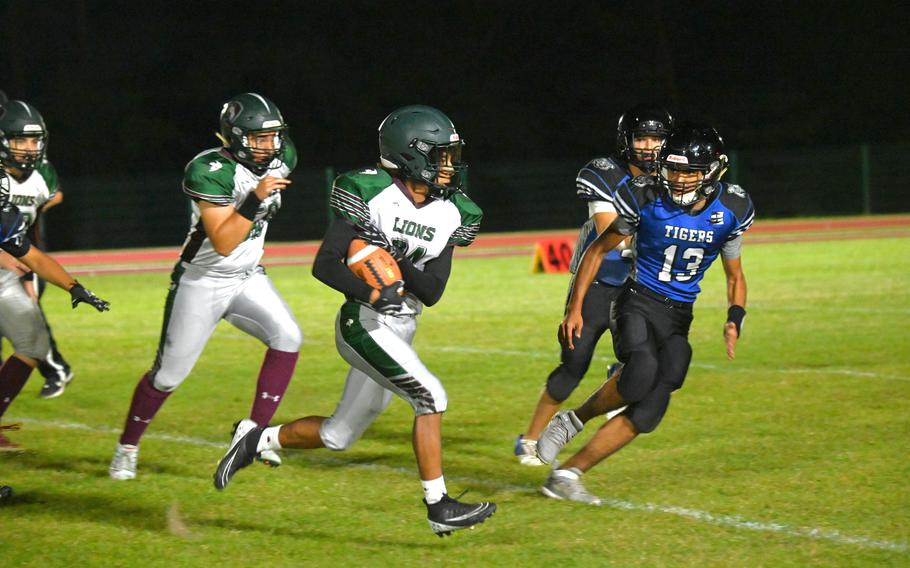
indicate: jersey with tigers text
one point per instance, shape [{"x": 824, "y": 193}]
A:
[
  {"x": 421, "y": 229},
  {"x": 215, "y": 177},
  {"x": 674, "y": 248},
  {"x": 596, "y": 184}
]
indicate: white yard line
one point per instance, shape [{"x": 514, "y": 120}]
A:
[{"x": 732, "y": 521}]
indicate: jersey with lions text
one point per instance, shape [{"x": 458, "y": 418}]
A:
[
  {"x": 215, "y": 177},
  {"x": 675, "y": 246},
  {"x": 596, "y": 184},
  {"x": 422, "y": 229}
]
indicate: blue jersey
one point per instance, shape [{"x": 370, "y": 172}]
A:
[
  {"x": 674, "y": 248},
  {"x": 596, "y": 184}
]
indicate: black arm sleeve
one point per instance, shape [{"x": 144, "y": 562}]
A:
[
  {"x": 429, "y": 284},
  {"x": 329, "y": 267}
]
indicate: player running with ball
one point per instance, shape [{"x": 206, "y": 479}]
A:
[{"x": 414, "y": 207}]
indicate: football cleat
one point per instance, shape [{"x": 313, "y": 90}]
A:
[
  {"x": 54, "y": 385},
  {"x": 562, "y": 428},
  {"x": 526, "y": 451},
  {"x": 7, "y": 445},
  {"x": 240, "y": 454},
  {"x": 448, "y": 515},
  {"x": 123, "y": 464},
  {"x": 566, "y": 488},
  {"x": 270, "y": 458}
]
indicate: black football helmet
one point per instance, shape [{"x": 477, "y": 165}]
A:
[
  {"x": 246, "y": 114},
  {"x": 420, "y": 143},
  {"x": 641, "y": 120},
  {"x": 691, "y": 148},
  {"x": 19, "y": 119}
]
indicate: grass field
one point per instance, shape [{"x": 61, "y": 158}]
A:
[{"x": 795, "y": 454}]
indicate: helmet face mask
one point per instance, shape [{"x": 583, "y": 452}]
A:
[
  {"x": 23, "y": 136},
  {"x": 691, "y": 163},
  {"x": 420, "y": 143},
  {"x": 638, "y": 123},
  {"x": 244, "y": 120}
]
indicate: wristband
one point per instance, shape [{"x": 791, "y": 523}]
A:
[
  {"x": 736, "y": 315},
  {"x": 250, "y": 206}
]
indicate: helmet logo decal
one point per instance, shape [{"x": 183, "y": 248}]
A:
[
  {"x": 271, "y": 124},
  {"x": 454, "y": 137},
  {"x": 32, "y": 128},
  {"x": 677, "y": 159}
]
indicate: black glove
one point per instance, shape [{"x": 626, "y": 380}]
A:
[
  {"x": 390, "y": 298},
  {"x": 373, "y": 235},
  {"x": 78, "y": 293}
]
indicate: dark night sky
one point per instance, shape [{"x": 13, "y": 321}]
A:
[{"x": 137, "y": 86}]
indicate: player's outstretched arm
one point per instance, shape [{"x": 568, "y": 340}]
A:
[
  {"x": 587, "y": 270},
  {"x": 49, "y": 269},
  {"x": 736, "y": 300}
]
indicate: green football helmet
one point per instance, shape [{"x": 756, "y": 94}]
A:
[
  {"x": 21, "y": 120},
  {"x": 420, "y": 143},
  {"x": 246, "y": 114}
]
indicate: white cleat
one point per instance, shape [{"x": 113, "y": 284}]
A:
[
  {"x": 123, "y": 465},
  {"x": 562, "y": 485},
  {"x": 526, "y": 451}
]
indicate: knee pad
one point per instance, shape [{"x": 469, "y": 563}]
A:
[
  {"x": 289, "y": 338},
  {"x": 336, "y": 437},
  {"x": 674, "y": 357},
  {"x": 647, "y": 414},
  {"x": 561, "y": 383},
  {"x": 639, "y": 376}
]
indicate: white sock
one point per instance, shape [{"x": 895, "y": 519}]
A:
[
  {"x": 571, "y": 473},
  {"x": 434, "y": 489},
  {"x": 269, "y": 439}
]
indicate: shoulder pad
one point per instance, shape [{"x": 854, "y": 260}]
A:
[
  {"x": 49, "y": 173},
  {"x": 631, "y": 197},
  {"x": 210, "y": 177},
  {"x": 735, "y": 198},
  {"x": 599, "y": 179},
  {"x": 471, "y": 214},
  {"x": 353, "y": 190}
]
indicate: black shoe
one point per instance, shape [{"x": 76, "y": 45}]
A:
[
  {"x": 450, "y": 515},
  {"x": 241, "y": 453},
  {"x": 54, "y": 384}
]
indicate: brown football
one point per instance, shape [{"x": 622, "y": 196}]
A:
[{"x": 372, "y": 264}]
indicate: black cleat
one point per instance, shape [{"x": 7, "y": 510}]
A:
[
  {"x": 241, "y": 454},
  {"x": 449, "y": 515}
]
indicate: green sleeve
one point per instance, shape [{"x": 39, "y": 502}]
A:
[
  {"x": 49, "y": 173},
  {"x": 352, "y": 191},
  {"x": 289, "y": 154},
  {"x": 210, "y": 177},
  {"x": 471, "y": 215}
]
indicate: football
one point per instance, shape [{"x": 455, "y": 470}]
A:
[{"x": 372, "y": 264}]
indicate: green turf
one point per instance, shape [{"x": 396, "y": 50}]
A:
[{"x": 793, "y": 455}]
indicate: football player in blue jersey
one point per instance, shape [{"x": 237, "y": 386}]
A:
[
  {"x": 682, "y": 222},
  {"x": 640, "y": 132}
]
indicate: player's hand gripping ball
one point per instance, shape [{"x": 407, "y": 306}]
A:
[{"x": 372, "y": 264}]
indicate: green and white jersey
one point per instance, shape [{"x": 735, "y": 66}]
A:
[
  {"x": 423, "y": 230},
  {"x": 215, "y": 177},
  {"x": 34, "y": 191}
]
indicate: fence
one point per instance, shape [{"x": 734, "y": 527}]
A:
[{"x": 150, "y": 210}]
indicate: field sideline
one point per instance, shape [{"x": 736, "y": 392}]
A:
[{"x": 792, "y": 455}]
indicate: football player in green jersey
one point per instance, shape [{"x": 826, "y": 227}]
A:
[
  {"x": 414, "y": 207},
  {"x": 235, "y": 190},
  {"x": 20, "y": 319},
  {"x": 34, "y": 189}
]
